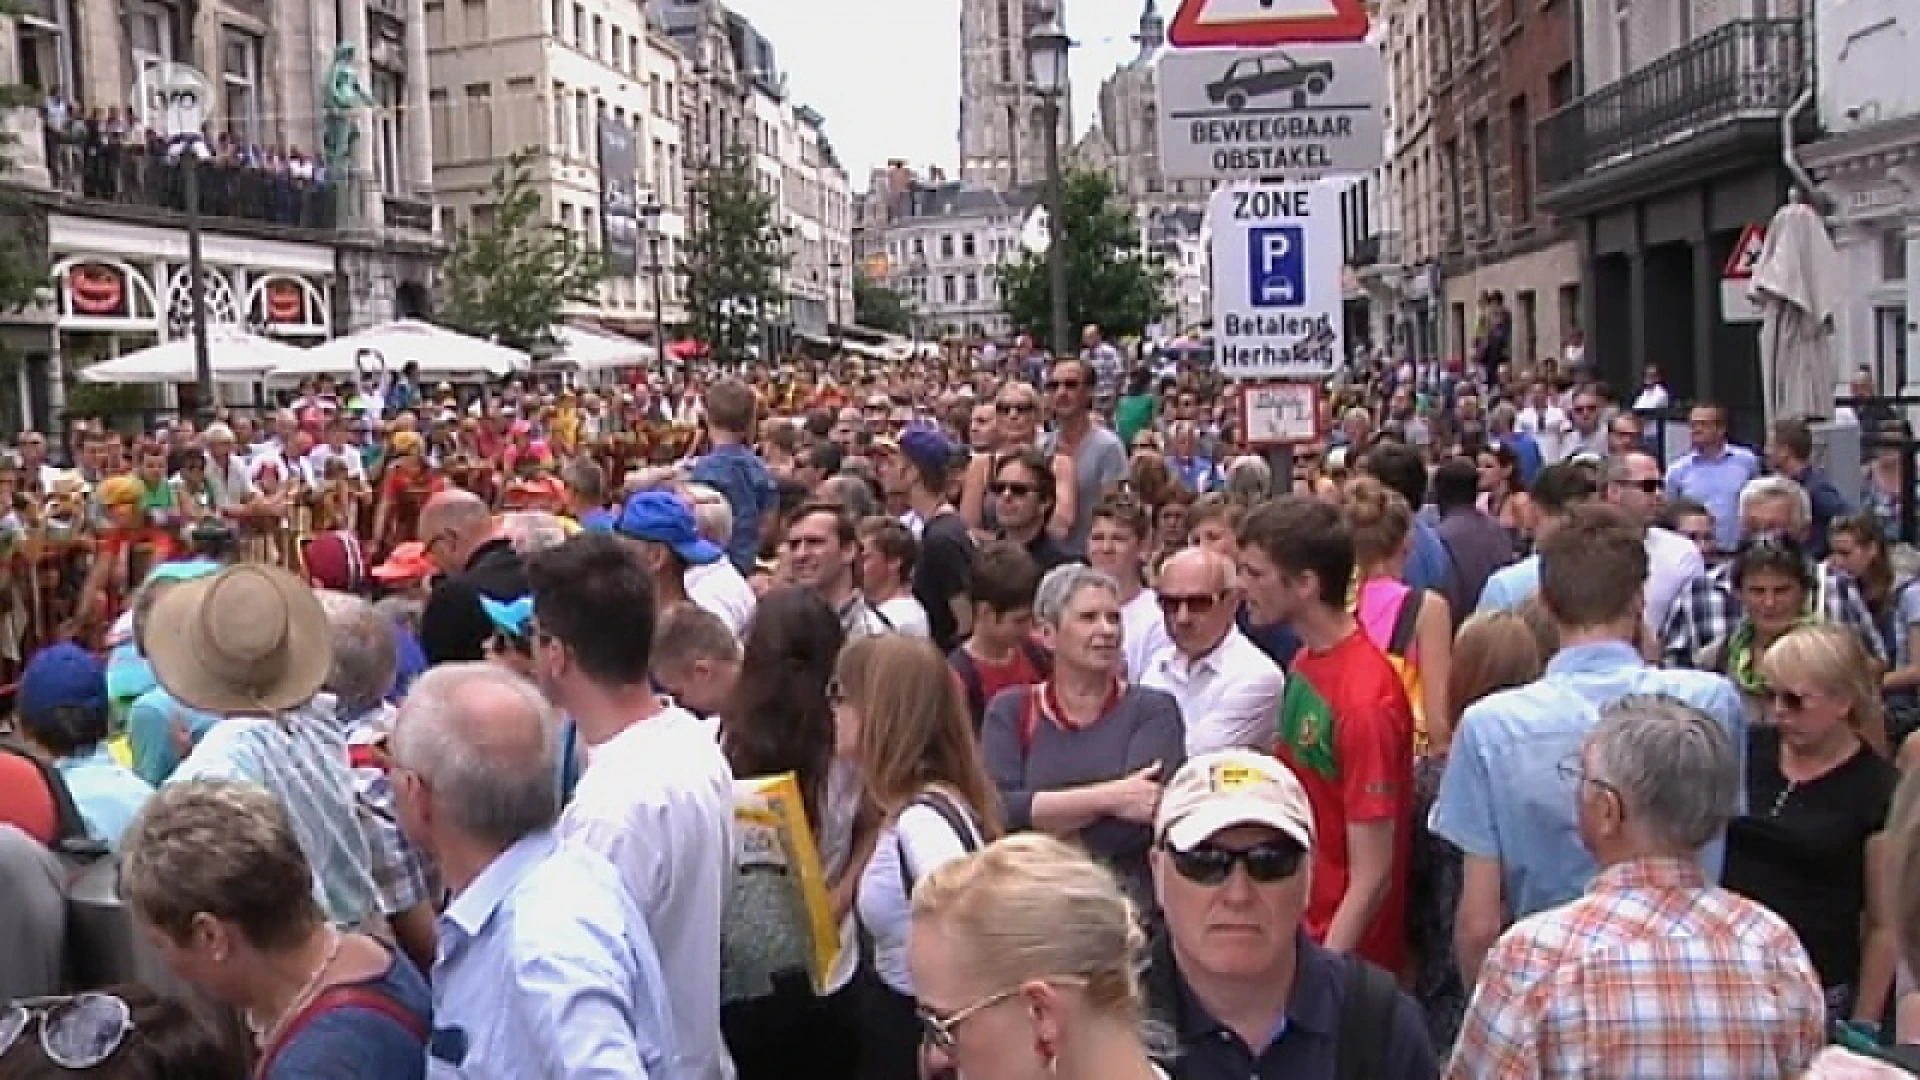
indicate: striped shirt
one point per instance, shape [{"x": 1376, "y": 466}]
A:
[{"x": 1653, "y": 973}]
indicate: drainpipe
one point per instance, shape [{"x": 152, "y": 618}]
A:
[{"x": 1789, "y": 152}]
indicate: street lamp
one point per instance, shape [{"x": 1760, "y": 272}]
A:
[
  {"x": 1047, "y": 46},
  {"x": 650, "y": 212}
]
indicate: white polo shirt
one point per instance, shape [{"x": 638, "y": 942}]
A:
[{"x": 1228, "y": 697}]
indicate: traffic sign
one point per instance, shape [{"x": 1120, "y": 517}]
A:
[
  {"x": 1746, "y": 254},
  {"x": 173, "y": 98},
  {"x": 1266, "y": 22},
  {"x": 1279, "y": 414},
  {"x": 1276, "y": 280},
  {"x": 1294, "y": 114}
]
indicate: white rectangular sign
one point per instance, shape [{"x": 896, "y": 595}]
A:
[
  {"x": 1294, "y": 113},
  {"x": 1276, "y": 281}
]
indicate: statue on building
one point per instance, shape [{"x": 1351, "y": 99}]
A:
[{"x": 343, "y": 94}]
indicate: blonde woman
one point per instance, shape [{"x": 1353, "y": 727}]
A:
[
  {"x": 899, "y": 716},
  {"x": 1027, "y": 955},
  {"x": 1810, "y": 844},
  {"x": 1018, "y": 407}
]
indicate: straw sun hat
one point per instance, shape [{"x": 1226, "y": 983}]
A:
[{"x": 249, "y": 639}]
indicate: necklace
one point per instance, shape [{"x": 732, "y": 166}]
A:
[
  {"x": 1780, "y": 800},
  {"x": 264, "y": 1036}
]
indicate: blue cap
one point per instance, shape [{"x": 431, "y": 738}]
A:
[
  {"x": 61, "y": 675},
  {"x": 927, "y": 448},
  {"x": 510, "y": 619},
  {"x": 660, "y": 516}
]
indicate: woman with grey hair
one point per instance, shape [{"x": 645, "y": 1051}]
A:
[
  {"x": 1249, "y": 480},
  {"x": 1083, "y": 754}
]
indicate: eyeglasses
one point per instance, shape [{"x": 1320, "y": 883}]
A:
[
  {"x": 1199, "y": 603},
  {"x": 1574, "y": 771},
  {"x": 1012, "y": 489},
  {"x": 1010, "y": 408},
  {"x": 79, "y": 1031},
  {"x": 941, "y": 1032},
  {"x": 1054, "y": 385},
  {"x": 1208, "y": 864},
  {"x": 1647, "y": 484}
]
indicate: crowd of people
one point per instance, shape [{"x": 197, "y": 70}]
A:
[{"x": 414, "y": 724}]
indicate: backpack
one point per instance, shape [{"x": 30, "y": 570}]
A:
[
  {"x": 333, "y": 999},
  {"x": 71, "y": 838},
  {"x": 1400, "y": 644},
  {"x": 1368, "y": 998},
  {"x": 965, "y": 666}
]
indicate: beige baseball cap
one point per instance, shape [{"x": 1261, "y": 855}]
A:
[{"x": 1225, "y": 788}]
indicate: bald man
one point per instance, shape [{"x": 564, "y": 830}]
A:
[
  {"x": 1227, "y": 688},
  {"x": 459, "y": 534}
]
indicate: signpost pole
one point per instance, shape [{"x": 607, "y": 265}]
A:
[
  {"x": 1057, "y": 233},
  {"x": 196, "y": 280}
]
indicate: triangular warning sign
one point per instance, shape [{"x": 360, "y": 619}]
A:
[
  {"x": 1746, "y": 254},
  {"x": 1256, "y": 23}
]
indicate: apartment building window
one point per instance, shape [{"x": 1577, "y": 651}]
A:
[
  {"x": 522, "y": 123},
  {"x": 436, "y": 13},
  {"x": 1526, "y": 340},
  {"x": 479, "y": 121},
  {"x": 1559, "y": 87},
  {"x": 46, "y": 46},
  {"x": 389, "y": 131},
  {"x": 579, "y": 26},
  {"x": 475, "y": 14},
  {"x": 582, "y": 129},
  {"x": 438, "y": 108},
  {"x": 972, "y": 286},
  {"x": 1443, "y": 18},
  {"x": 946, "y": 245},
  {"x": 556, "y": 19},
  {"x": 240, "y": 82},
  {"x": 966, "y": 245},
  {"x": 589, "y": 225},
  {"x": 1893, "y": 256},
  {"x": 1450, "y": 156},
  {"x": 1623, "y": 37},
  {"x": 653, "y": 95},
  {"x": 1483, "y": 176},
  {"x": 949, "y": 289},
  {"x": 659, "y": 172},
  {"x": 559, "y": 119},
  {"x": 568, "y": 221},
  {"x": 152, "y": 30},
  {"x": 1470, "y": 20},
  {"x": 1520, "y": 143},
  {"x": 599, "y": 33},
  {"x": 919, "y": 247}
]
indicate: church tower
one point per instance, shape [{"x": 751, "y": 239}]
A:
[{"x": 1002, "y": 129}]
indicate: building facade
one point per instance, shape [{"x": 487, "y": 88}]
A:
[
  {"x": 1671, "y": 151},
  {"x": 1494, "y": 70},
  {"x": 944, "y": 249},
  {"x": 297, "y": 242},
  {"x": 549, "y": 78},
  {"x": 1002, "y": 120},
  {"x": 1869, "y": 167}
]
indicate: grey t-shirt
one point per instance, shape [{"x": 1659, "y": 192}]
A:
[
  {"x": 1098, "y": 466},
  {"x": 1144, "y": 727}
]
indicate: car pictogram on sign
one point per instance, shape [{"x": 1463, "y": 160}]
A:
[{"x": 1267, "y": 74}]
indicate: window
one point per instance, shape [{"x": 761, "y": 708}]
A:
[
  {"x": 1470, "y": 20},
  {"x": 1483, "y": 176},
  {"x": 1527, "y": 324},
  {"x": 152, "y": 29},
  {"x": 966, "y": 245},
  {"x": 946, "y": 245},
  {"x": 1893, "y": 257},
  {"x": 1560, "y": 87},
  {"x": 659, "y": 171},
  {"x": 1443, "y": 18},
  {"x": 240, "y": 82},
  {"x": 475, "y": 14},
  {"x": 556, "y": 20},
  {"x": 45, "y": 46},
  {"x": 438, "y": 107},
  {"x": 522, "y": 124},
  {"x": 1623, "y": 37},
  {"x": 579, "y": 26},
  {"x": 436, "y": 12},
  {"x": 389, "y": 130},
  {"x": 1450, "y": 156},
  {"x": 599, "y": 34},
  {"x": 919, "y": 247},
  {"x": 589, "y": 226},
  {"x": 582, "y": 129},
  {"x": 972, "y": 283},
  {"x": 1520, "y": 143},
  {"x": 948, "y": 292},
  {"x": 1890, "y": 345},
  {"x": 559, "y": 119},
  {"x": 479, "y": 121}
]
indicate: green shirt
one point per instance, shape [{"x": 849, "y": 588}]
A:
[{"x": 1132, "y": 416}]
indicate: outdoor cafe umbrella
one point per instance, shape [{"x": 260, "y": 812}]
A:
[
  {"x": 235, "y": 355},
  {"x": 1794, "y": 286},
  {"x": 585, "y": 349},
  {"x": 440, "y": 352}
]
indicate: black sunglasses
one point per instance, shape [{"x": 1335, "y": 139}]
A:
[
  {"x": 1007, "y": 408},
  {"x": 1012, "y": 489},
  {"x": 1788, "y": 700},
  {"x": 1199, "y": 603},
  {"x": 1211, "y": 865},
  {"x": 1062, "y": 384}
]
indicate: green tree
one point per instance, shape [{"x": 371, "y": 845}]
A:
[
  {"x": 1111, "y": 279},
  {"x": 733, "y": 258},
  {"x": 509, "y": 280},
  {"x": 880, "y": 307}
]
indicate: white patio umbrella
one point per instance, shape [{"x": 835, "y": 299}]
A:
[
  {"x": 585, "y": 349},
  {"x": 440, "y": 352},
  {"x": 236, "y": 356},
  {"x": 1795, "y": 285}
]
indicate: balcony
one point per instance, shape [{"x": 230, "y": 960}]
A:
[
  {"x": 1737, "y": 78},
  {"x": 135, "y": 177}
]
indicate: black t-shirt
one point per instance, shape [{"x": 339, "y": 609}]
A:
[
  {"x": 942, "y": 572},
  {"x": 1807, "y": 861},
  {"x": 1049, "y": 553}
]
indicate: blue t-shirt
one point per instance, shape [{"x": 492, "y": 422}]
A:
[
  {"x": 734, "y": 471},
  {"x": 357, "y": 1043},
  {"x": 150, "y": 736},
  {"x": 1428, "y": 564}
]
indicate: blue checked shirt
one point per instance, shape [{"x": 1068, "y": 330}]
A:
[{"x": 1708, "y": 610}]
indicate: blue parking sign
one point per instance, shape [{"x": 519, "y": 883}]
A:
[{"x": 1277, "y": 263}]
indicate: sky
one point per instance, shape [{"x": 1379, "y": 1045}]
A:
[{"x": 886, "y": 73}]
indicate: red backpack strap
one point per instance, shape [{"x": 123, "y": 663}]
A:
[{"x": 333, "y": 999}]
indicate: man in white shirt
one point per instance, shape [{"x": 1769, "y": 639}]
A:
[
  {"x": 657, "y": 795},
  {"x": 1653, "y": 393},
  {"x": 1227, "y": 688},
  {"x": 1634, "y": 484},
  {"x": 336, "y": 446}
]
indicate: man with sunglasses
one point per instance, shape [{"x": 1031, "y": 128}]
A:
[
  {"x": 1635, "y": 486},
  {"x": 1227, "y": 688},
  {"x": 1099, "y": 457},
  {"x": 1246, "y": 991}
]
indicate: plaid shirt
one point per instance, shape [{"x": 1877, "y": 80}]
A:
[
  {"x": 1653, "y": 973},
  {"x": 1708, "y": 610},
  {"x": 402, "y": 873}
]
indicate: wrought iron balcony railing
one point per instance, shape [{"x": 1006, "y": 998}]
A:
[
  {"x": 1746, "y": 70},
  {"x": 137, "y": 175}
]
